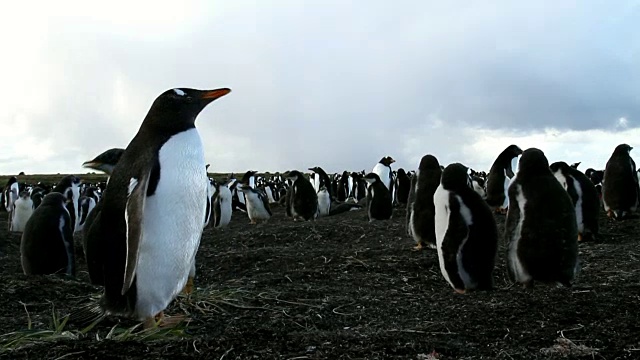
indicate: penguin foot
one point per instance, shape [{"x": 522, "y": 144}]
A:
[
  {"x": 160, "y": 320},
  {"x": 502, "y": 211},
  {"x": 418, "y": 247},
  {"x": 610, "y": 214},
  {"x": 460, "y": 291},
  {"x": 188, "y": 287},
  {"x": 579, "y": 236},
  {"x": 253, "y": 222}
]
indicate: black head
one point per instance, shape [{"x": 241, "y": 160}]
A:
[
  {"x": 316, "y": 169},
  {"x": 455, "y": 177},
  {"x": 293, "y": 175},
  {"x": 533, "y": 161},
  {"x": 513, "y": 150},
  {"x": 176, "y": 109},
  {"x": 401, "y": 172},
  {"x": 247, "y": 176},
  {"x": 560, "y": 165},
  {"x": 12, "y": 180},
  {"x": 622, "y": 149},
  {"x": 54, "y": 198},
  {"x": 66, "y": 183},
  {"x": 371, "y": 178},
  {"x": 24, "y": 195},
  {"x": 386, "y": 161},
  {"x": 575, "y": 165},
  {"x": 105, "y": 161},
  {"x": 428, "y": 162}
]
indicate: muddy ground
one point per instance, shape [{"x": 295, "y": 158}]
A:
[{"x": 337, "y": 288}]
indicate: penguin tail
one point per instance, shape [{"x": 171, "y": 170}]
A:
[{"x": 90, "y": 313}]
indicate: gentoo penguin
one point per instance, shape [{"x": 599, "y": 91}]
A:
[
  {"x": 23, "y": 208},
  {"x": 88, "y": 202},
  {"x": 106, "y": 161},
  {"x": 36, "y": 196},
  {"x": 324, "y": 202},
  {"x": 541, "y": 230},
  {"x": 421, "y": 211},
  {"x": 384, "y": 172},
  {"x": 379, "y": 203},
  {"x": 69, "y": 186},
  {"x": 323, "y": 179},
  {"x": 257, "y": 204},
  {"x": 403, "y": 185},
  {"x": 303, "y": 198},
  {"x": 584, "y": 196},
  {"x": 153, "y": 209},
  {"x": 211, "y": 192},
  {"x": 575, "y": 165},
  {"x": 9, "y": 197},
  {"x": 620, "y": 184},
  {"x": 343, "y": 187},
  {"x": 466, "y": 232},
  {"x": 46, "y": 246},
  {"x": 499, "y": 177},
  {"x": 358, "y": 188},
  {"x": 222, "y": 206}
]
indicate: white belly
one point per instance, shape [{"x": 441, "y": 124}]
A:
[
  {"x": 225, "y": 206},
  {"x": 255, "y": 207},
  {"x": 21, "y": 213},
  {"x": 441, "y": 202},
  {"x": 172, "y": 224},
  {"x": 384, "y": 174},
  {"x": 520, "y": 274}
]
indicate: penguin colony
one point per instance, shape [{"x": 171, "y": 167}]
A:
[{"x": 143, "y": 258}]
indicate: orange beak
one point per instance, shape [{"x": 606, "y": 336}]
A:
[{"x": 214, "y": 94}]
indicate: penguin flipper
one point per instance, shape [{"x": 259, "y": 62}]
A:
[
  {"x": 134, "y": 209},
  {"x": 457, "y": 233}
]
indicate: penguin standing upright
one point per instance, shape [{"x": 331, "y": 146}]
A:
[
  {"x": 9, "y": 197},
  {"x": 211, "y": 192},
  {"x": 499, "y": 178},
  {"x": 403, "y": 185},
  {"x": 584, "y": 196},
  {"x": 379, "y": 202},
  {"x": 422, "y": 210},
  {"x": 46, "y": 246},
  {"x": 257, "y": 204},
  {"x": 541, "y": 229},
  {"x": 23, "y": 209},
  {"x": 466, "y": 232},
  {"x": 620, "y": 184},
  {"x": 323, "y": 180},
  {"x": 303, "y": 198},
  {"x": 384, "y": 172},
  {"x": 222, "y": 206},
  {"x": 69, "y": 186},
  {"x": 105, "y": 162},
  {"x": 343, "y": 187},
  {"x": 88, "y": 202},
  {"x": 324, "y": 202},
  {"x": 153, "y": 208}
]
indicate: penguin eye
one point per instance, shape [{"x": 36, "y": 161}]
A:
[{"x": 189, "y": 99}]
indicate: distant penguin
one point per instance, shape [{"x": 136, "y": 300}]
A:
[
  {"x": 358, "y": 188},
  {"x": 257, "y": 204},
  {"x": 620, "y": 184},
  {"x": 106, "y": 161},
  {"x": 584, "y": 196},
  {"x": 343, "y": 187},
  {"x": 466, "y": 232},
  {"x": 69, "y": 186},
  {"x": 153, "y": 209},
  {"x": 211, "y": 192},
  {"x": 88, "y": 202},
  {"x": 478, "y": 186},
  {"x": 323, "y": 180},
  {"x": 575, "y": 165},
  {"x": 422, "y": 210},
  {"x": 47, "y": 246},
  {"x": 403, "y": 185},
  {"x": 499, "y": 177},
  {"x": 303, "y": 198},
  {"x": 23, "y": 208},
  {"x": 36, "y": 196},
  {"x": 324, "y": 202},
  {"x": 541, "y": 230},
  {"x": 384, "y": 172},
  {"x": 9, "y": 197},
  {"x": 379, "y": 203},
  {"x": 222, "y": 206}
]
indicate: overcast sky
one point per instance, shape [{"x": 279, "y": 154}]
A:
[{"x": 332, "y": 83}]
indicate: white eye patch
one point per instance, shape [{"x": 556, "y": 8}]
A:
[{"x": 179, "y": 92}]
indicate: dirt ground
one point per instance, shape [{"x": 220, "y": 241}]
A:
[{"x": 339, "y": 288}]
